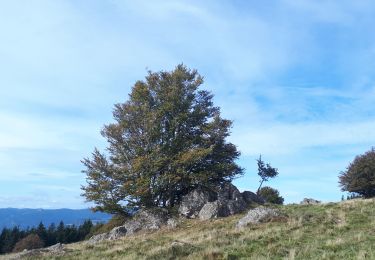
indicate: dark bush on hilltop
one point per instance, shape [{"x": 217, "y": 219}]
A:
[
  {"x": 359, "y": 177},
  {"x": 271, "y": 195},
  {"x": 31, "y": 241},
  {"x": 167, "y": 140}
]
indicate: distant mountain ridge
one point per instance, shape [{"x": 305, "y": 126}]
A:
[{"x": 10, "y": 217}]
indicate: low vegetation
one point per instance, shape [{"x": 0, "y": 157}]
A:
[
  {"x": 270, "y": 195},
  {"x": 342, "y": 230},
  {"x": 15, "y": 239}
]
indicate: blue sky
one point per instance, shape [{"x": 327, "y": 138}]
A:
[{"x": 296, "y": 76}]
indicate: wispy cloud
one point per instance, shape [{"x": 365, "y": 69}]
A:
[{"x": 292, "y": 138}]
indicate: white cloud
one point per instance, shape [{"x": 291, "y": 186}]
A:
[
  {"x": 25, "y": 131},
  {"x": 291, "y": 138}
]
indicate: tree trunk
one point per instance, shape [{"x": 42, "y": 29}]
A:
[{"x": 260, "y": 186}]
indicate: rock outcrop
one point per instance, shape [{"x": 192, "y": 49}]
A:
[
  {"x": 227, "y": 191},
  {"x": 147, "y": 220},
  {"x": 144, "y": 220},
  {"x": 309, "y": 201},
  {"x": 192, "y": 203},
  {"x": 251, "y": 197},
  {"x": 258, "y": 215},
  {"x": 52, "y": 251},
  {"x": 98, "y": 238},
  {"x": 114, "y": 234},
  {"x": 210, "y": 210},
  {"x": 226, "y": 201},
  {"x": 200, "y": 203}
]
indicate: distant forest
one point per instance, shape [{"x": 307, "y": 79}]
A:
[{"x": 16, "y": 240}]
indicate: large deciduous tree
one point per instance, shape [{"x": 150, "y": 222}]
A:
[
  {"x": 167, "y": 139},
  {"x": 359, "y": 177}
]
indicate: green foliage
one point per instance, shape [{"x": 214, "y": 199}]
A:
[
  {"x": 42, "y": 232},
  {"x": 271, "y": 195},
  {"x": 167, "y": 139},
  {"x": 265, "y": 171},
  {"x": 8, "y": 238},
  {"x": 359, "y": 177},
  {"x": 16, "y": 240}
]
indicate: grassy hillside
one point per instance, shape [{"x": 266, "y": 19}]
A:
[{"x": 343, "y": 230}]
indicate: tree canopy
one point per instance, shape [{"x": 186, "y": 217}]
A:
[
  {"x": 167, "y": 139},
  {"x": 359, "y": 177}
]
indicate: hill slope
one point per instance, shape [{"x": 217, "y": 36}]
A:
[{"x": 343, "y": 230}]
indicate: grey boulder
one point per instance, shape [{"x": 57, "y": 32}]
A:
[
  {"x": 193, "y": 202},
  {"x": 144, "y": 220},
  {"x": 147, "y": 220},
  {"x": 227, "y": 191},
  {"x": 117, "y": 232},
  {"x": 229, "y": 202},
  {"x": 225, "y": 201},
  {"x": 50, "y": 252},
  {"x": 258, "y": 215},
  {"x": 114, "y": 234},
  {"x": 210, "y": 210},
  {"x": 251, "y": 197}
]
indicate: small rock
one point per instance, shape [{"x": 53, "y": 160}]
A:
[
  {"x": 309, "y": 201},
  {"x": 172, "y": 223},
  {"x": 117, "y": 233},
  {"x": 257, "y": 215},
  {"x": 98, "y": 238},
  {"x": 114, "y": 234},
  {"x": 56, "y": 248},
  {"x": 177, "y": 243}
]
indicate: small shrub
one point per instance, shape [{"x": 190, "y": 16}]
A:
[
  {"x": 31, "y": 241},
  {"x": 271, "y": 195}
]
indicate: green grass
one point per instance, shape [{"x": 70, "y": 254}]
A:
[{"x": 329, "y": 231}]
